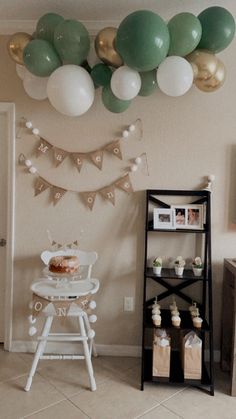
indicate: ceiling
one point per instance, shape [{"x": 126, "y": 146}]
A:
[{"x": 20, "y": 14}]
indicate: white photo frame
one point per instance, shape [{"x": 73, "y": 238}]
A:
[
  {"x": 188, "y": 216},
  {"x": 163, "y": 218}
]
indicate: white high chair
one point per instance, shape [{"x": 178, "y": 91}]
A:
[{"x": 48, "y": 289}]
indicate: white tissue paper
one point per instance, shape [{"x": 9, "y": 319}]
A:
[{"x": 192, "y": 340}]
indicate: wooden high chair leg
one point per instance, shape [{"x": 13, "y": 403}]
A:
[
  {"x": 39, "y": 351},
  {"x": 87, "y": 354}
]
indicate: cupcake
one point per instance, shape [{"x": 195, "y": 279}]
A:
[
  {"x": 156, "y": 318},
  {"x": 156, "y": 310},
  {"x": 176, "y": 320},
  {"x": 195, "y": 313},
  {"x": 175, "y": 312},
  {"x": 197, "y": 322}
]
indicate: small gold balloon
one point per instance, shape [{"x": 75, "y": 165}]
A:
[
  {"x": 16, "y": 46},
  {"x": 214, "y": 82},
  {"x": 105, "y": 47},
  {"x": 206, "y": 63}
]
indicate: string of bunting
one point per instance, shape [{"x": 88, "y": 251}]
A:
[{"x": 56, "y": 245}]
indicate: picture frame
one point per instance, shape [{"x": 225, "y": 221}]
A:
[
  {"x": 163, "y": 218},
  {"x": 188, "y": 216}
]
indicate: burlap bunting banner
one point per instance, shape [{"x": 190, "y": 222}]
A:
[
  {"x": 97, "y": 158},
  {"x": 115, "y": 149},
  {"x": 89, "y": 199},
  {"x": 108, "y": 193},
  {"x": 40, "y": 186},
  {"x": 78, "y": 160},
  {"x": 41, "y": 306},
  {"x": 59, "y": 155},
  {"x": 57, "y": 194},
  {"x": 43, "y": 146},
  {"x": 125, "y": 184}
]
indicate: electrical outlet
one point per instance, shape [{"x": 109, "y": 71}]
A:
[{"x": 128, "y": 304}]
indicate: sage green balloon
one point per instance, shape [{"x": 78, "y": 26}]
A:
[
  {"x": 71, "y": 40},
  {"x": 149, "y": 83},
  {"x": 143, "y": 40},
  {"x": 112, "y": 103},
  {"x": 40, "y": 58},
  {"x": 218, "y": 28},
  {"x": 101, "y": 75},
  {"x": 185, "y": 33},
  {"x": 46, "y": 26}
]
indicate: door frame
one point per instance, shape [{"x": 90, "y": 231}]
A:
[{"x": 9, "y": 109}]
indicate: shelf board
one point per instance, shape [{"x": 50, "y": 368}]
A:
[
  {"x": 170, "y": 274},
  {"x": 175, "y": 230},
  {"x": 186, "y": 321},
  {"x": 176, "y": 372}
]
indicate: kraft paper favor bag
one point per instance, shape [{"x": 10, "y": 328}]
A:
[
  {"x": 161, "y": 354},
  {"x": 192, "y": 356}
]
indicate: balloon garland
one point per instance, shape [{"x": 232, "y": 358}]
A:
[{"x": 57, "y": 62}]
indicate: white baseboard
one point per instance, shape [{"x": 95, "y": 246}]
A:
[{"x": 72, "y": 348}]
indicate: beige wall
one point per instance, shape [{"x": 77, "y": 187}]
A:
[{"x": 185, "y": 139}]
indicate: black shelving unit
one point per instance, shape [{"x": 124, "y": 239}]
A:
[{"x": 176, "y": 286}]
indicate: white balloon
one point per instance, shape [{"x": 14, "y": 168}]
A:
[
  {"x": 174, "y": 76},
  {"x": 125, "y": 83},
  {"x": 35, "y": 87},
  {"x": 71, "y": 90},
  {"x": 20, "y": 70}
]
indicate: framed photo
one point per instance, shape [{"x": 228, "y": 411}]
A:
[
  {"x": 188, "y": 216},
  {"x": 163, "y": 218}
]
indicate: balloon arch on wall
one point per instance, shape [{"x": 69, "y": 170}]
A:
[{"x": 144, "y": 53}]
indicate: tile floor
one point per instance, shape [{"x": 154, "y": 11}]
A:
[{"x": 60, "y": 391}]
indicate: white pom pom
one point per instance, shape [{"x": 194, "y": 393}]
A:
[
  {"x": 91, "y": 334},
  {"x": 31, "y": 319},
  {"x": 125, "y": 133},
  {"x": 32, "y": 170},
  {"x": 92, "y": 304},
  {"x": 93, "y": 318},
  {"x": 29, "y": 124},
  {"x": 131, "y": 128},
  {"x": 35, "y": 131},
  {"x": 31, "y": 305},
  {"x": 134, "y": 168},
  {"x": 28, "y": 163},
  {"x": 211, "y": 178},
  {"x": 32, "y": 331},
  {"x": 138, "y": 160}
]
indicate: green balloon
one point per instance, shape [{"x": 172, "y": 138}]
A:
[
  {"x": 101, "y": 75},
  {"x": 143, "y": 40},
  {"x": 40, "y": 58},
  {"x": 149, "y": 83},
  {"x": 71, "y": 40},
  {"x": 46, "y": 26},
  {"x": 112, "y": 103},
  {"x": 185, "y": 33},
  {"x": 218, "y": 28}
]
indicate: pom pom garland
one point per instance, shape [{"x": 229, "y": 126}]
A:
[
  {"x": 29, "y": 124},
  {"x": 91, "y": 334},
  {"x": 125, "y": 133},
  {"x": 131, "y": 128},
  {"x": 92, "y": 305},
  {"x": 138, "y": 160},
  {"x": 134, "y": 168},
  {"x": 35, "y": 131},
  {"x": 32, "y": 170},
  {"x": 32, "y": 331},
  {"x": 28, "y": 163},
  {"x": 31, "y": 319},
  {"x": 93, "y": 318}
]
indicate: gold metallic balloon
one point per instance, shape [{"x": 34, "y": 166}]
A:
[
  {"x": 105, "y": 47},
  {"x": 16, "y": 46},
  {"x": 214, "y": 82},
  {"x": 206, "y": 63}
]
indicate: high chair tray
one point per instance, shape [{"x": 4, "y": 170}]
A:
[{"x": 48, "y": 288}]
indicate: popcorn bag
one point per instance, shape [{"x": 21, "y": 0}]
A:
[
  {"x": 161, "y": 354},
  {"x": 192, "y": 356}
]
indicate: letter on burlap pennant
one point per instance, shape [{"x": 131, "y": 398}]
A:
[
  {"x": 97, "y": 158},
  {"x": 40, "y": 186},
  {"x": 125, "y": 184},
  {"x": 108, "y": 193},
  {"x": 78, "y": 160},
  {"x": 57, "y": 194},
  {"x": 43, "y": 146},
  {"x": 59, "y": 155},
  {"x": 89, "y": 199},
  {"x": 115, "y": 149}
]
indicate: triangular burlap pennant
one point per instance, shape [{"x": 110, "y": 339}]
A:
[
  {"x": 40, "y": 186},
  {"x": 75, "y": 243},
  {"x": 97, "y": 158},
  {"x": 125, "y": 184},
  {"x": 43, "y": 146},
  {"x": 89, "y": 199},
  {"x": 78, "y": 160},
  {"x": 59, "y": 245},
  {"x": 59, "y": 155},
  {"x": 108, "y": 193},
  {"x": 38, "y": 305},
  {"x": 53, "y": 243},
  {"x": 57, "y": 194},
  {"x": 115, "y": 149}
]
